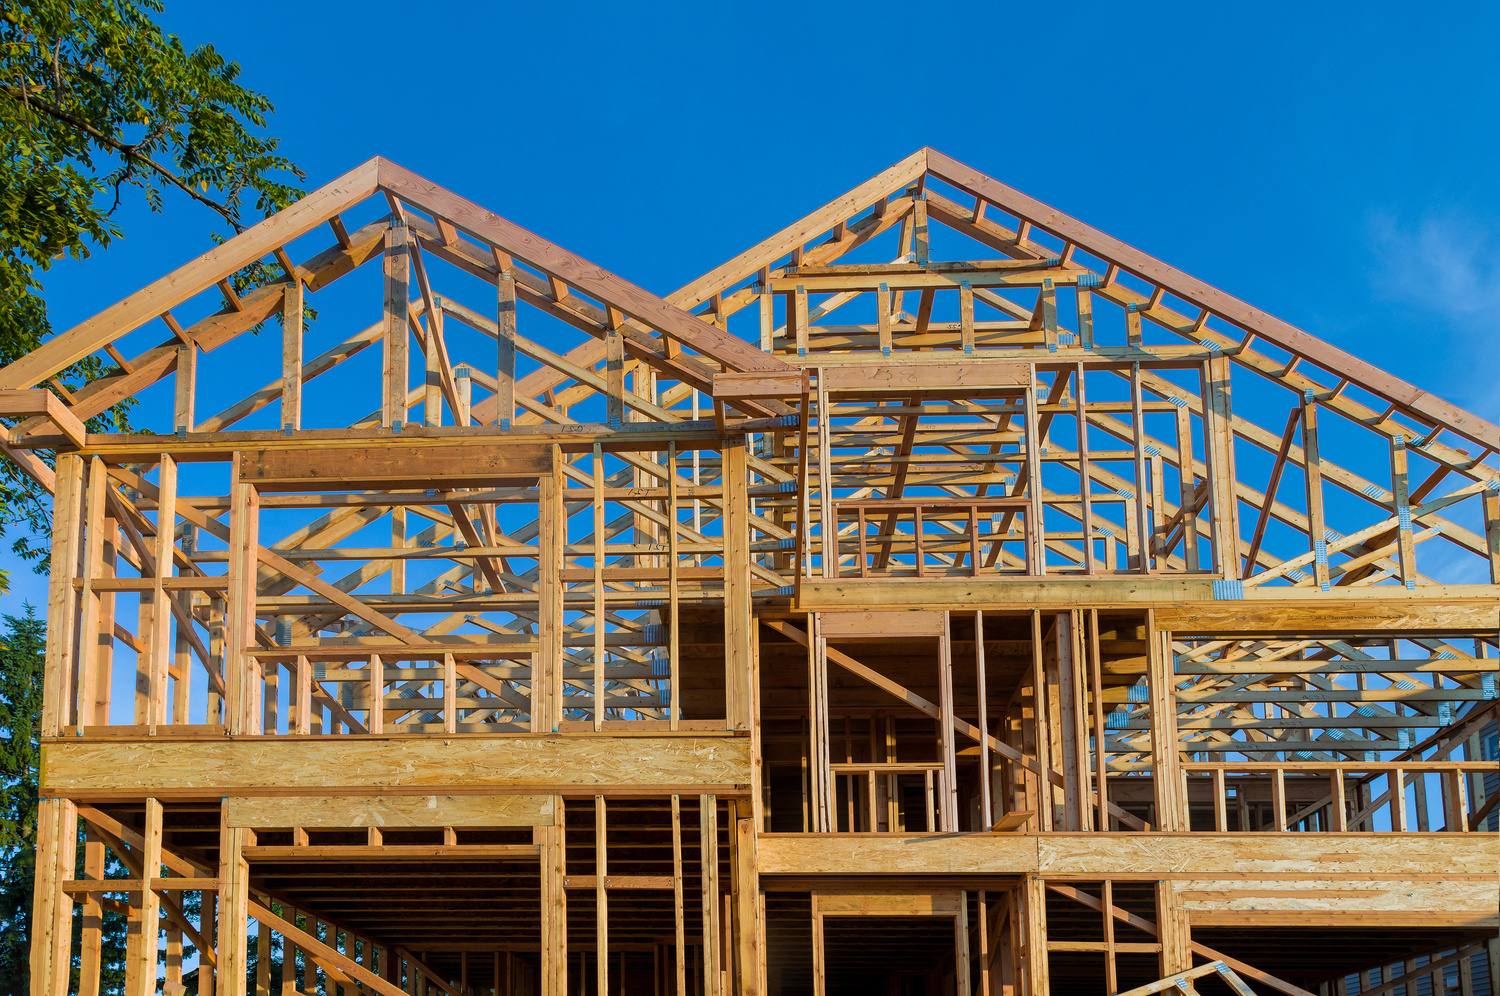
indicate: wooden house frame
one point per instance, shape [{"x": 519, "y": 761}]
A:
[{"x": 724, "y": 642}]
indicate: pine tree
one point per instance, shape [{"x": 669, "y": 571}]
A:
[{"x": 21, "y": 654}]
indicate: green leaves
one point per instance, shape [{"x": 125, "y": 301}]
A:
[{"x": 98, "y": 104}]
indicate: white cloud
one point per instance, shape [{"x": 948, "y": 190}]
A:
[
  {"x": 1448, "y": 265},
  {"x": 1445, "y": 262}
]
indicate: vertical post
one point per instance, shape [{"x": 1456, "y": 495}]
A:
[
  {"x": 828, "y": 526},
  {"x": 674, "y": 711},
  {"x": 984, "y": 947},
  {"x": 986, "y": 804},
  {"x": 961, "y": 946},
  {"x": 240, "y": 624},
  {"x": 375, "y": 718},
  {"x": 144, "y": 951},
  {"x": 159, "y": 658},
  {"x": 1036, "y": 529},
  {"x": 397, "y": 338},
  {"x": 463, "y": 385},
  {"x": 1085, "y": 298},
  {"x": 505, "y": 338},
  {"x": 738, "y": 617},
  {"x": 920, "y": 243},
  {"x": 708, "y": 843},
  {"x": 1221, "y": 800},
  {"x": 263, "y": 959},
  {"x": 399, "y": 539},
  {"x": 62, "y": 604},
  {"x": 1042, "y": 725},
  {"x": 767, "y": 304},
  {"x": 1034, "y": 906},
  {"x": 1188, "y": 491},
  {"x": 291, "y": 356},
  {"x": 185, "y": 389},
  {"x": 546, "y": 679},
  {"x": 432, "y": 366},
  {"x": 1173, "y": 932},
  {"x": 1101, "y": 757},
  {"x": 1492, "y": 548},
  {"x": 820, "y": 975},
  {"x": 93, "y": 639},
  {"x": 1166, "y": 771},
  {"x": 554, "y": 901},
  {"x": 601, "y": 898},
  {"x": 52, "y": 909},
  {"x": 747, "y": 901},
  {"x": 1073, "y": 727},
  {"x": 234, "y": 897},
  {"x": 1047, "y": 304},
  {"x": 966, "y": 317},
  {"x": 1219, "y": 439},
  {"x": 678, "y": 908},
  {"x": 90, "y": 961},
  {"x": 1313, "y": 466},
  {"x": 1144, "y": 495},
  {"x": 1405, "y": 546},
  {"x": 883, "y": 318},
  {"x": 614, "y": 371},
  {"x": 1085, "y": 473},
  {"x": 1111, "y": 973},
  {"x": 599, "y": 609},
  {"x": 450, "y": 694},
  {"x": 798, "y": 319},
  {"x": 1337, "y": 806},
  {"x": 949, "y": 803}
]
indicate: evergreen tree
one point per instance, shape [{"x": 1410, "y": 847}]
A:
[{"x": 21, "y": 654}]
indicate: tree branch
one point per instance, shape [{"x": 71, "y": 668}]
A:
[{"x": 128, "y": 151}]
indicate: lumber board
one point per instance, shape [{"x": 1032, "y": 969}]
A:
[
  {"x": 388, "y": 765},
  {"x": 1142, "y": 856},
  {"x": 391, "y": 811},
  {"x": 1251, "y": 901},
  {"x": 396, "y": 466}
]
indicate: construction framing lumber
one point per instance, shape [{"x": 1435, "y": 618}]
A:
[{"x": 975, "y": 620}]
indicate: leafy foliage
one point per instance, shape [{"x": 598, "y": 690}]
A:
[
  {"x": 98, "y": 104},
  {"x": 21, "y": 653}
]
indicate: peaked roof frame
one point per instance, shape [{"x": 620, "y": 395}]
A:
[{"x": 659, "y": 330}]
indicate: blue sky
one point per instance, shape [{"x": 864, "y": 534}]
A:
[{"x": 1336, "y": 165}]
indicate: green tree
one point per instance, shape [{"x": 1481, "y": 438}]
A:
[
  {"x": 97, "y": 105},
  {"x": 21, "y": 652}
]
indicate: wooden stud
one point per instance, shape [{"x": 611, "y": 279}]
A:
[
  {"x": 708, "y": 829},
  {"x": 397, "y": 337},
  {"x": 184, "y": 419},
  {"x": 966, "y": 316},
  {"x": 1313, "y": 466},
  {"x": 291, "y": 357}
]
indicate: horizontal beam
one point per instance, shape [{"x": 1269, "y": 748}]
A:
[
  {"x": 311, "y": 812},
  {"x": 1134, "y": 856},
  {"x": 364, "y": 765},
  {"x": 44, "y": 403},
  {"x": 574, "y": 438},
  {"x": 292, "y": 853}
]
